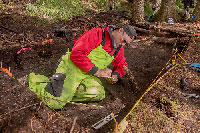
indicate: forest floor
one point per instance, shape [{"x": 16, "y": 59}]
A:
[{"x": 165, "y": 108}]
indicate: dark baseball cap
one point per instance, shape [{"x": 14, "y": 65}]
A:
[{"x": 130, "y": 31}]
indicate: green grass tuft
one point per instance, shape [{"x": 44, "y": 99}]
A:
[
  {"x": 55, "y": 9},
  {"x": 58, "y": 10}
]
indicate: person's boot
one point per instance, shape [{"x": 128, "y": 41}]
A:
[{"x": 54, "y": 87}]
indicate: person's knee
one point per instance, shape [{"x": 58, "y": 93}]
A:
[
  {"x": 98, "y": 93},
  {"x": 93, "y": 91}
]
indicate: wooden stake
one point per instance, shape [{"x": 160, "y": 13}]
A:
[{"x": 1, "y": 64}]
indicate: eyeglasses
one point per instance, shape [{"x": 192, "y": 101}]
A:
[{"x": 124, "y": 41}]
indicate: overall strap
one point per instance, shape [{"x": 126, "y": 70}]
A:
[
  {"x": 104, "y": 41},
  {"x": 116, "y": 52},
  {"x": 103, "y": 38}
]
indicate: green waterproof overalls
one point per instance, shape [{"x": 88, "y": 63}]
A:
[{"x": 78, "y": 85}]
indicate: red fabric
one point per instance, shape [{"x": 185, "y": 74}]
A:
[{"x": 91, "y": 40}]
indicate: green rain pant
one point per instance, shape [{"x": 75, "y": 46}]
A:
[{"x": 78, "y": 85}]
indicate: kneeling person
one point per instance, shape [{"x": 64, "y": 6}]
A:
[{"x": 76, "y": 78}]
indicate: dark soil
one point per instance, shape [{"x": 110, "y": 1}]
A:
[{"x": 145, "y": 59}]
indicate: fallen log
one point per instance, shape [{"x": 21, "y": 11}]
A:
[
  {"x": 173, "y": 29},
  {"x": 151, "y": 32},
  {"x": 170, "y": 40},
  {"x": 143, "y": 25},
  {"x": 165, "y": 29}
]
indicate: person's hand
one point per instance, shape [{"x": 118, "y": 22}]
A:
[
  {"x": 112, "y": 79},
  {"x": 104, "y": 72}
]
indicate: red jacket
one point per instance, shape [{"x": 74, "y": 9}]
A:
[{"x": 91, "y": 40}]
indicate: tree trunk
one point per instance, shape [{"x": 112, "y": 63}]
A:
[
  {"x": 157, "y": 6},
  {"x": 196, "y": 12},
  {"x": 138, "y": 11},
  {"x": 167, "y": 10}
]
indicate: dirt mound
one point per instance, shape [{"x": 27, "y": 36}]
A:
[{"x": 168, "y": 105}]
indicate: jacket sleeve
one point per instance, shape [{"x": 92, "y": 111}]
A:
[
  {"x": 118, "y": 63},
  {"x": 83, "y": 46}
]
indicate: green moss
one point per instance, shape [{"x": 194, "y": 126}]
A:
[
  {"x": 147, "y": 9},
  {"x": 174, "y": 104},
  {"x": 138, "y": 108},
  {"x": 142, "y": 118},
  {"x": 179, "y": 4}
]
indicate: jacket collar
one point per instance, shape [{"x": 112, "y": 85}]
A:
[{"x": 110, "y": 30}]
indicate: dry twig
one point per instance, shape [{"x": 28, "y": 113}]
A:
[
  {"x": 32, "y": 124},
  {"x": 21, "y": 108},
  {"x": 74, "y": 122},
  {"x": 131, "y": 77},
  {"x": 50, "y": 98}
]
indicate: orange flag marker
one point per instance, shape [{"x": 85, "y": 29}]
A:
[
  {"x": 6, "y": 71},
  {"x": 46, "y": 41}
]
